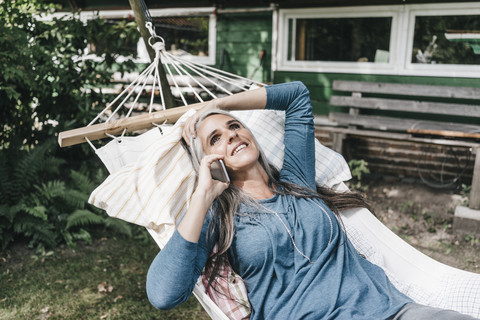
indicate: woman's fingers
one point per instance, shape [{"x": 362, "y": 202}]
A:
[
  {"x": 211, "y": 187},
  {"x": 206, "y": 164},
  {"x": 189, "y": 130}
]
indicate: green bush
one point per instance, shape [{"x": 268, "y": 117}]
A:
[
  {"x": 46, "y": 86},
  {"x": 359, "y": 169}
]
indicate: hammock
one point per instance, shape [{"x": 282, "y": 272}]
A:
[{"x": 423, "y": 279}]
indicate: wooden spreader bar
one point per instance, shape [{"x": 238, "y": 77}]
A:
[{"x": 134, "y": 123}]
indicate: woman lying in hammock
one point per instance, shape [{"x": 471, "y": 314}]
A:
[{"x": 275, "y": 230}]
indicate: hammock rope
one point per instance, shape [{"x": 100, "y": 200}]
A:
[{"x": 186, "y": 77}]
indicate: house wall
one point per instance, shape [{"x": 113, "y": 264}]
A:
[
  {"x": 320, "y": 84},
  {"x": 240, "y": 39}
]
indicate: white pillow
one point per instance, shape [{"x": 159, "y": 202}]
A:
[{"x": 154, "y": 186}]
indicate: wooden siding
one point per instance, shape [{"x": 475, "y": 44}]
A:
[
  {"x": 320, "y": 84},
  {"x": 240, "y": 39}
]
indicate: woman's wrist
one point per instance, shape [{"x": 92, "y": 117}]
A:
[{"x": 202, "y": 200}]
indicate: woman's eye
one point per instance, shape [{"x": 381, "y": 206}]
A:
[
  {"x": 234, "y": 126},
  {"x": 214, "y": 140}
]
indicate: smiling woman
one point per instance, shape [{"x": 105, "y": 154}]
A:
[
  {"x": 222, "y": 135},
  {"x": 277, "y": 230}
]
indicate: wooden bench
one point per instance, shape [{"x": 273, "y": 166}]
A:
[{"x": 392, "y": 111}]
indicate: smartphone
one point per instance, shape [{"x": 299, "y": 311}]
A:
[{"x": 219, "y": 172}]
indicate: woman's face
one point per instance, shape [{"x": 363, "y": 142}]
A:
[{"x": 223, "y": 135}]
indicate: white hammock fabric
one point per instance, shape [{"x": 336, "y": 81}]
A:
[{"x": 420, "y": 277}]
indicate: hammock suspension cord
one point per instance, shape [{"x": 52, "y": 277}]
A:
[{"x": 180, "y": 73}]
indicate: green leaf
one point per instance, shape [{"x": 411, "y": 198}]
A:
[
  {"x": 37, "y": 211},
  {"x": 52, "y": 189},
  {"x": 82, "y": 218},
  {"x": 82, "y": 181},
  {"x": 83, "y": 235},
  {"x": 75, "y": 198},
  {"x": 67, "y": 236}
]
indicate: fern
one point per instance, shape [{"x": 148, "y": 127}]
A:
[
  {"x": 52, "y": 165},
  {"x": 83, "y": 235},
  {"x": 4, "y": 178},
  {"x": 19, "y": 207},
  {"x": 51, "y": 190},
  {"x": 119, "y": 226},
  {"x": 43, "y": 234},
  {"x": 99, "y": 175},
  {"x": 6, "y": 221},
  {"x": 26, "y": 172},
  {"x": 38, "y": 230},
  {"x": 83, "y": 217},
  {"x": 75, "y": 198},
  {"x": 39, "y": 203},
  {"x": 68, "y": 238},
  {"x": 82, "y": 181},
  {"x": 37, "y": 211}
]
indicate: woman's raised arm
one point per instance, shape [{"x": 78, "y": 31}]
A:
[{"x": 246, "y": 100}]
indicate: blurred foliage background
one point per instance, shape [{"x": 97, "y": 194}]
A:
[{"x": 50, "y": 82}]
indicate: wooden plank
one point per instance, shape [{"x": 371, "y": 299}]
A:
[
  {"x": 397, "y": 136},
  {"x": 420, "y": 157},
  {"x": 397, "y": 124},
  {"x": 144, "y": 121},
  {"x": 408, "y": 89},
  {"x": 407, "y": 106},
  {"x": 445, "y": 133}
]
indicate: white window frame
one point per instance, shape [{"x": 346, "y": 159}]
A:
[
  {"x": 343, "y": 12},
  {"x": 448, "y": 70},
  {"x": 402, "y": 32},
  {"x": 171, "y": 12}
]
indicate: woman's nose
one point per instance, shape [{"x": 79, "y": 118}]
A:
[{"x": 232, "y": 135}]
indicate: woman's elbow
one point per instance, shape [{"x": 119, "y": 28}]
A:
[
  {"x": 159, "y": 301},
  {"x": 163, "y": 299},
  {"x": 301, "y": 87},
  {"x": 163, "y": 293}
]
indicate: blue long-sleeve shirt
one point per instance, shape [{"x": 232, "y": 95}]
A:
[{"x": 281, "y": 282}]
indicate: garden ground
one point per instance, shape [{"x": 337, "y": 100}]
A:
[
  {"x": 106, "y": 279},
  {"x": 423, "y": 217}
]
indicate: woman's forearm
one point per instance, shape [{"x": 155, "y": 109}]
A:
[
  {"x": 247, "y": 100},
  {"x": 190, "y": 227}
]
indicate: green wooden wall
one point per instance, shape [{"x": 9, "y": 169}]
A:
[{"x": 240, "y": 39}]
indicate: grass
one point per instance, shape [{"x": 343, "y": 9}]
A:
[{"x": 104, "y": 280}]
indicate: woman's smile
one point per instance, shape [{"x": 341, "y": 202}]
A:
[{"x": 239, "y": 148}]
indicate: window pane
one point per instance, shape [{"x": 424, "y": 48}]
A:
[
  {"x": 184, "y": 35},
  {"x": 342, "y": 39},
  {"x": 121, "y": 29},
  {"x": 447, "y": 40}
]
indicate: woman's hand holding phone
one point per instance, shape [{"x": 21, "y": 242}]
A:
[
  {"x": 211, "y": 187},
  {"x": 208, "y": 189}
]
